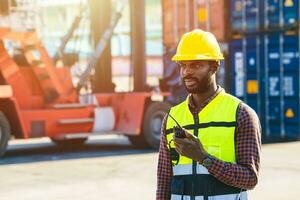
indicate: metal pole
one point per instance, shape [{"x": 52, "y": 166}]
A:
[
  {"x": 100, "y": 20},
  {"x": 103, "y": 80},
  {"x": 138, "y": 50},
  {"x": 69, "y": 35}
]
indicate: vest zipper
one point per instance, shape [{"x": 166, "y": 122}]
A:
[
  {"x": 196, "y": 122},
  {"x": 196, "y": 133}
]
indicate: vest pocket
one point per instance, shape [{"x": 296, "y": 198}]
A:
[{"x": 177, "y": 186}]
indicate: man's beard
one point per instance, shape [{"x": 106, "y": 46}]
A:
[{"x": 198, "y": 88}]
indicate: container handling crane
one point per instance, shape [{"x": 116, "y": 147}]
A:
[{"x": 38, "y": 99}]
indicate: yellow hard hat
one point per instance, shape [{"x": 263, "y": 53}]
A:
[{"x": 198, "y": 45}]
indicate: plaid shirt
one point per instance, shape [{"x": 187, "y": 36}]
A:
[{"x": 243, "y": 174}]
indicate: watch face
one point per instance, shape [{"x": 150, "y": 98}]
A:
[{"x": 207, "y": 162}]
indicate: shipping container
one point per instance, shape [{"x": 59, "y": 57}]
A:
[
  {"x": 272, "y": 14},
  {"x": 181, "y": 16},
  {"x": 263, "y": 15},
  {"x": 175, "y": 20},
  {"x": 290, "y": 13},
  {"x": 265, "y": 69},
  {"x": 281, "y": 13},
  {"x": 247, "y": 68},
  {"x": 246, "y": 15}
]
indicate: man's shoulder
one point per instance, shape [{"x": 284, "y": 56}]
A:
[{"x": 245, "y": 111}]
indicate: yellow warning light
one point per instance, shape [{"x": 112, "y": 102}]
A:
[
  {"x": 288, "y": 3},
  {"x": 202, "y": 16},
  {"x": 289, "y": 113},
  {"x": 252, "y": 87}
]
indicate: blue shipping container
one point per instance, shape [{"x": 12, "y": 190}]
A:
[
  {"x": 266, "y": 77},
  {"x": 290, "y": 9},
  {"x": 272, "y": 13},
  {"x": 258, "y": 15},
  {"x": 245, "y": 15},
  {"x": 247, "y": 68}
]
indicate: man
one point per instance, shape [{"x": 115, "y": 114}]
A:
[{"x": 220, "y": 154}]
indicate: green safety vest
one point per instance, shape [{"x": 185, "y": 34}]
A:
[{"x": 215, "y": 127}]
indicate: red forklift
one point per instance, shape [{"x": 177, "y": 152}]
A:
[{"x": 38, "y": 99}]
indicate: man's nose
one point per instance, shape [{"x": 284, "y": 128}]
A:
[{"x": 187, "y": 71}]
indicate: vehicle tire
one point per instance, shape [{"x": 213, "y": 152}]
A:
[
  {"x": 4, "y": 133},
  {"x": 69, "y": 142},
  {"x": 151, "y": 127}
]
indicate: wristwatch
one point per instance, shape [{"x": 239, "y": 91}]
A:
[{"x": 207, "y": 162}]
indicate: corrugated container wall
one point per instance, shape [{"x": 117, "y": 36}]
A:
[
  {"x": 246, "y": 15},
  {"x": 265, "y": 71},
  {"x": 264, "y": 58},
  {"x": 181, "y": 16},
  {"x": 263, "y": 15}
]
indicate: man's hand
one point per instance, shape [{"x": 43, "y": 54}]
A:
[{"x": 190, "y": 147}]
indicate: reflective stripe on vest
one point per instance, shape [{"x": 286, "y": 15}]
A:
[
  {"x": 215, "y": 127},
  {"x": 187, "y": 169},
  {"x": 240, "y": 196}
]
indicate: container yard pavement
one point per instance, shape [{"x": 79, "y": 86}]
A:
[{"x": 121, "y": 172}]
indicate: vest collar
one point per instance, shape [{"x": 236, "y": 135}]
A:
[{"x": 193, "y": 107}]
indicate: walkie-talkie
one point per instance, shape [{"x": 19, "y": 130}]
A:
[{"x": 178, "y": 130}]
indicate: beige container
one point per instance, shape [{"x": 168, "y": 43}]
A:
[{"x": 180, "y": 16}]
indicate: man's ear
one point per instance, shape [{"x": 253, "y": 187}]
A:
[{"x": 214, "y": 66}]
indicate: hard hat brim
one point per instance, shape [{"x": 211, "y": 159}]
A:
[{"x": 196, "y": 57}]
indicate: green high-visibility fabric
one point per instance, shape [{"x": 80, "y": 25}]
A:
[{"x": 216, "y": 127}]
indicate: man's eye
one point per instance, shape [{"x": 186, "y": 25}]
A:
[{"x": 196, "y": 66}]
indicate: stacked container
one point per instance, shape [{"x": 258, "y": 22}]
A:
[
  {"x": 181, "y": 16},
  {"x": 264, "y": 54}
]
